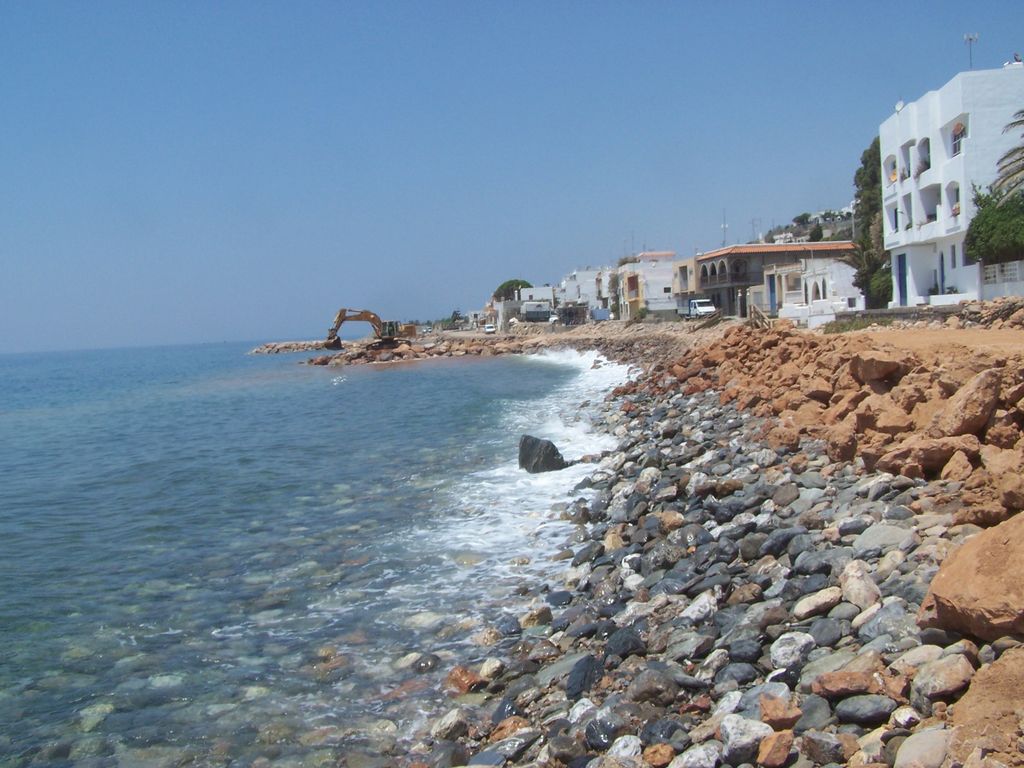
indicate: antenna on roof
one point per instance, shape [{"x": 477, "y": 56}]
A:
[
  {"x": 725, "y": 228},
  {"x": 970, "y": 39}
]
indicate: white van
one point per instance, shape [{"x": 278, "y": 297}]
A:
[{"x": 700, "y": 308}]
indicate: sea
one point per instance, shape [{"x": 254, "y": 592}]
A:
[{"x": 209, "y": 557}]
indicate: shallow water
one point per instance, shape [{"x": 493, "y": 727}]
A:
[{"x": 212, "y": 555}]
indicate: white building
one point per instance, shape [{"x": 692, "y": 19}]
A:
[
  {"x": 646, "y": 284},
  {"x": 810, "y": 292},
  {"x": 538, "y": 293},
  {"x": 585, "y": 286},
  {"x": 933, "y": 151}
]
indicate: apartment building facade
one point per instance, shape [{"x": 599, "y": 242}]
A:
[{"x": 933, "y": 152}]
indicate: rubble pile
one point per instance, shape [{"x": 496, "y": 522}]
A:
[{"x": 957, "y": 417}]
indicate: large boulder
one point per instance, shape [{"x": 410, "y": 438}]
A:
[
  {"x": 979, "y": 589},
  {"x": 538, "y": 455},
  {"x": 968, "y": 411},
  {"x": 875, "y": 365},
  {"x": 929, "y": 455},
  {"x": 987, "y": 718}
]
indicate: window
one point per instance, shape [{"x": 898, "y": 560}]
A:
[
  {"x": 952, "y": 256},
  {"x": 667, "y": 289},
  {"x": 959, "y": 134}
]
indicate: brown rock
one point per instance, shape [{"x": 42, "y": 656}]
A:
[
  {"x": 778, "y": 712},
  {"x": 784, "y": 436},
  {"x": 464, "y": 680},
  {"x": 957, "y": 468},
  {"x": 841, "y": 442},
  {"x": 838, "y": 685},
  {"x": 659, "y": 755},
  {"x": 1011, "y": 491},
  {"x": 745, "y": 593},
  {"x": 873, "y": 365},
  {"x": 999, "y": 460},
  {"x": 816, "y": 388},
  {"x": 930, "y": 454},
  {"x": 979, "y": 589},
  {"x": 808, "y": 415},
  {"x": 507, "y": 727},
  {"x": 774, "y": 749},
  {"x": 987, "y": 717},
  {"x": 844, "y": 405},
  {"x": 968, "y": 411}
]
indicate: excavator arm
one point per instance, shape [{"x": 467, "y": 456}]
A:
[{"x": 347, "y": 315}]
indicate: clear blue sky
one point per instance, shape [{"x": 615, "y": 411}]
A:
[{"x": 193, "y": 171}]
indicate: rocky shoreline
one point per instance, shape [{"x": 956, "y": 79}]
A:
[{"x": 747, "y": 588}]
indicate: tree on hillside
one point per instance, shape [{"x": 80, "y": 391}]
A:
[
  {"x": 507, "y": 290},
  {"x": 1011, "y": 165},
  {"x": 802, "y": 220},
  {"x": 996, "y": 233},
  {"x": 816, "y": 233}
]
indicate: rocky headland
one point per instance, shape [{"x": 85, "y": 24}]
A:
[{"x": 805, "y": 551}]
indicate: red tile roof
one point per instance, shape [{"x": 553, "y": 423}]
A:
[{"x": 810, "y": 249}]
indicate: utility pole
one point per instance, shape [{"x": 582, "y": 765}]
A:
[
  {"x": 970, "y": 39},
  {"x": 725, "y": 228}
]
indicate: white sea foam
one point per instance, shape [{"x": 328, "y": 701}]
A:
[{"x": 501, "y": 518}]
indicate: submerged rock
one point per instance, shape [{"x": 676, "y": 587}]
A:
[{"x": 539, "y": 455}]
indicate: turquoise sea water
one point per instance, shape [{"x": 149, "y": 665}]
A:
[{"x": 222, "y": 558}]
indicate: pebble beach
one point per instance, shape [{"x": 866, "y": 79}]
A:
[{"x": 746, "y": 589}]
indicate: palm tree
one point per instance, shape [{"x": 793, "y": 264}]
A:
[{"x": 1011, "y": 165}]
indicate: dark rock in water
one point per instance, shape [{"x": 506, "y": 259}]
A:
[
  {"x": 508, "y": 626},
  {"x": 584, "y": 674},
  {"x": 625, "y": 642},
  {"x": 604, "y": 729},
  {"x": 426, "y": 663},
  {"x": 587, "y": 552},
  {"x": 446, "y": 754},
  {"x": 506, "y": 708},
  {"x": 537, "y": 455},
  {"x": 559, "y": 597},
  {"x": 564, "y": 748}
]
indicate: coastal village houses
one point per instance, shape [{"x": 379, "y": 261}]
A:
[
  {"x": 934, "y": 151},
  {"x": 645, "y": 286},
  {"x": 796, "y": 280}
]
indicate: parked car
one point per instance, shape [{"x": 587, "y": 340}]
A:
[
  {"x": 700, "y": 308},
  {"x": 489, "y": 328}
]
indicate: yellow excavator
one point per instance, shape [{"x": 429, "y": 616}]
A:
[{"x": 386, "y": 331}]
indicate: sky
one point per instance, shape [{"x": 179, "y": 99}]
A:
[{"x": 219, "y": 171}]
